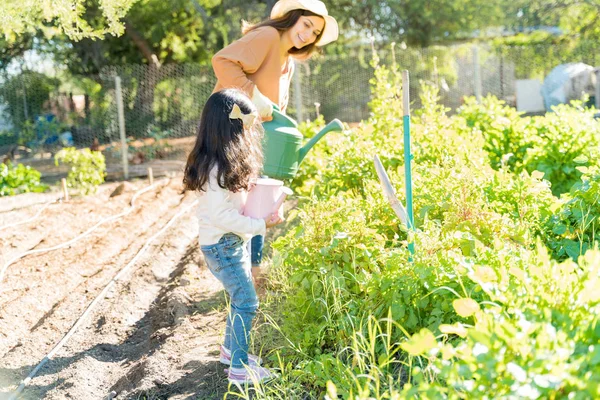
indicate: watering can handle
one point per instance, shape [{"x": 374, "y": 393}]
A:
[
  {"x": 281, "y": 118},
  {"x": 281, "y": 199}
]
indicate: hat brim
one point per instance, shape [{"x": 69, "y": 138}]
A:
[{"x": 331, "y": 31}]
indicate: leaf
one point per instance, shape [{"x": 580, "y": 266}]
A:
[
  {"x": 573, "y": 249},
  {"x": 455, "y": 329},
  {"x": 467, "y": 245},
  {"x": 465, "y": 307},
  {"x": 398, "y": 312},
  {"x": 331, "y": 391},
  {"x": 595, "y": 356},
  {"x": 516, "y": 371},
  {"x": 567, "y": 169},
  {"x": 537, "y": 175},
  {"x": 485, "y": 274},
  {"x": 420, "y": 343},
  {"x": 412, "y": 320},
  {"x": 559, "y": 229}
]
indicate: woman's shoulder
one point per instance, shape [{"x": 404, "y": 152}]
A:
[{"x": 264, "y": 33}]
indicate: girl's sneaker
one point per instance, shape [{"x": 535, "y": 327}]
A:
[
  {"x": 249, "y": 375},
  {"x": 226, "y": 357}
]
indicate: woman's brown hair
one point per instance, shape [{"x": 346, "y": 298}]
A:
[
  {"x": 225, "y": 143},
  {"x": 284, "y": 23}
]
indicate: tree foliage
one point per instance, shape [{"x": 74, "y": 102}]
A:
[
  {"x": 16, "y": 94},
  {"x": 158, "y": 31},
  {"x": 69, "y": 16},
  {"x": 580, "y": 18},
  {"x": 154, "y": 32}
]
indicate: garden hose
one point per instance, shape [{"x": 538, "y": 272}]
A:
[
  {"x": 32, "y": 218},
  {"x": 77, "y": 238}
]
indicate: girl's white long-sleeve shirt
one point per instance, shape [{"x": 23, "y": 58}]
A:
[{"x": 220, "y": 212}]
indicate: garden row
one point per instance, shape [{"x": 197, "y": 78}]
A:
[{"x": 500, "y": 298}]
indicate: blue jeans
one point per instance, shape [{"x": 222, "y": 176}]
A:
[
  {"x": 229, "y": 262},
  {"x": 256, "y": 248}
]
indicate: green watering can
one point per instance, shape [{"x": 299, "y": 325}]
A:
[{"x": 282, "y": 148}]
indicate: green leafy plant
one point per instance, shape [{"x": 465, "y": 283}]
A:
[
  {"x": 482, "y": 303},
  {"x": 87, "y": 168},
  {"x": 8, "y": 138},
  {"x": 15, "y": 179},
  {"x": 160, "y": 147},
  {"x": 139, "y": 150},
  {"x": 575, "y": 227},
  {"x": 311, "y": 128},
  {"x": 564, "y": 140},
  {"x": 507, "y": 134},
  {"x": 555, "y": 144}
]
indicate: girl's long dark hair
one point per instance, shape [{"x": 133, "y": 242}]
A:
[
  {"x": 225, "y": 143},
  {"x": 284, "y": 23}
]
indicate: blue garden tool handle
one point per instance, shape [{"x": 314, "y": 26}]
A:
[{"x": 408, "y": 157}]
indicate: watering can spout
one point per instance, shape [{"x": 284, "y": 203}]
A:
[{"x": 335, "y": 125}]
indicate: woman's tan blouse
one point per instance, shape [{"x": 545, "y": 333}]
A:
[{"x": 255, "y": 60}]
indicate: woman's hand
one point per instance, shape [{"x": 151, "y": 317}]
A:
[
  {"x": 272, "y": 220},
  {"x": 263, "y": 105}
]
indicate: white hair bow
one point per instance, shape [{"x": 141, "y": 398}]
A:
[{"x": 247, "y": 119}]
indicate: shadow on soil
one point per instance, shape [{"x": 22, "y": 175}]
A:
[{"x": 204, "y": 381}]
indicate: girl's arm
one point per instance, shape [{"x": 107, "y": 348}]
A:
[
  {"x": 245, "y": 56},
  {"x": 226, "y": 216}
]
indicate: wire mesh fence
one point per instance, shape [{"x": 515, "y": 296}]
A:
[{"x": 161, "y": 107}]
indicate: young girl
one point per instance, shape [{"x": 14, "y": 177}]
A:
[
  {"x": 261, "y": 62},
  {"x": 226, "y": 156}
]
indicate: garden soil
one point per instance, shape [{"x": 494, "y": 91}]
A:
[{"x": 156, "y": 333}]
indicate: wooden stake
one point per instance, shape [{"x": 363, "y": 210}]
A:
[
  {"x": 388, "y": 191},
  {"x": 63, "y": 181},
  {"x": 150, "y": 176}
]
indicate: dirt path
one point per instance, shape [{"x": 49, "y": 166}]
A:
[{"x": 154, "y": 336}]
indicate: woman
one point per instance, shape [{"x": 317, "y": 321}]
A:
[{"x": 261, "y": 62}]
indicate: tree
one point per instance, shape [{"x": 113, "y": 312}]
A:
[
  {"x": 417, "y": 22},
  {"x": 26, "y": 94},
  {"x": 575, "y": 17},
  {"x": 26, "y": 16},
  {"x": 156, "y": 32}
]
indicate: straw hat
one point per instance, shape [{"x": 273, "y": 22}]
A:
[{"x": 330, "y": 33}]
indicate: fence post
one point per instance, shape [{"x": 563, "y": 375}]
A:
[
  {"x": 150, "y": 176},
  {"x": 24, "y": 98},
  {"x": 597, "y": 88},
  {"x": 121, "y": 117},
  {"x": 476, "y": 73},
  {"x": 501, "y": 75},
  {"x": 63, "y": 183},
  {"x": 298, "y": 95}
]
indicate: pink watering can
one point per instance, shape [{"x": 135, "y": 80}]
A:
[{"x": 265, "y": 198}]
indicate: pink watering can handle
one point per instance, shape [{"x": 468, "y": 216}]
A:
[{"x": 286, "y": 191}]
